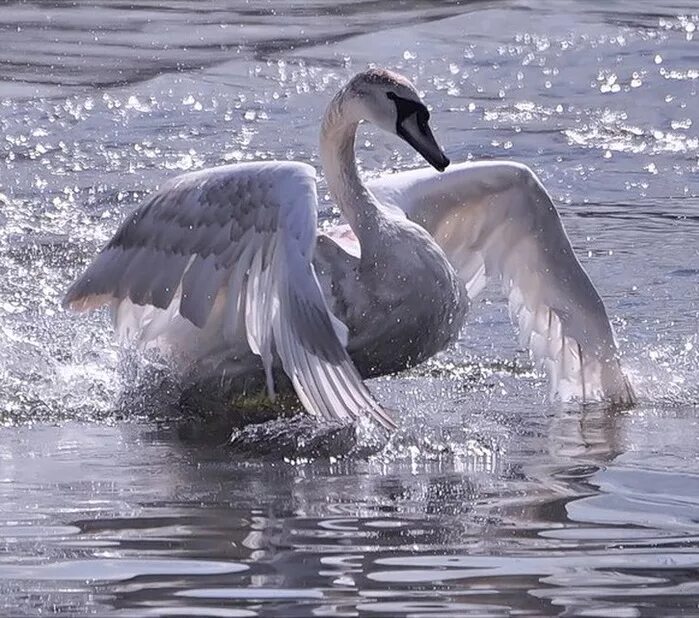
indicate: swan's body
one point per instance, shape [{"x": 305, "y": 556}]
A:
[
  {"x": 221, "y": 269},
  {"x": 495, "y": 220}
]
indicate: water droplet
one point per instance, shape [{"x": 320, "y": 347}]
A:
[{"x": 681, "y": 124}]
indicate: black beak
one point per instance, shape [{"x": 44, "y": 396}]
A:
[
  {"x": 419, "y": 136},
  {"x": 413, "y": 126}
]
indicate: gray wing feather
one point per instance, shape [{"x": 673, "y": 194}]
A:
[
  {"x": 166, "y": 280},
  {"x": 200, "y": 286},
  {"x": 241, "y": 237},
  {"x": 141, "y": 288}
]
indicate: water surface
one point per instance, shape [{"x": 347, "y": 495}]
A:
[{"x": 489, "y": 500}]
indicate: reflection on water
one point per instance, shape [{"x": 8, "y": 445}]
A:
[
  {"x": 566, "y": 519},
  {"x": 488, "y": 501}
]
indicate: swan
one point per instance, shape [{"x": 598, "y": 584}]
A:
[{"x": 225, "y": 272}]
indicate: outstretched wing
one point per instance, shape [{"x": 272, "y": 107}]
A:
[
  {"x": 495, "y": 219},
  {"x": 232, "y": 247}
]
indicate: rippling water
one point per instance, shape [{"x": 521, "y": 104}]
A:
[{"x": 488, "y": 501}]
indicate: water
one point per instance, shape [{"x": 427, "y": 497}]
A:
[{"x": 489, "y": 500}]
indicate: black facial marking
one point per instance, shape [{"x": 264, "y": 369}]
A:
[
  {"x": 406, "y": 108},
  {"x": 424, "y": 143}
]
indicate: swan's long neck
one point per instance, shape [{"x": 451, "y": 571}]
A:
[{"x": 359, "y": 206}]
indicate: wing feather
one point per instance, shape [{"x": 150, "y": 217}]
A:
[
  {"x": 165, "y": 282},
  {"x": 223, "y": 258},
  {"x": 200, "y": 284},
  {"x": 495, "y": 220}
]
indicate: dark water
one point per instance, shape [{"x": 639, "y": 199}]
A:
[{"x": 489, "y": 501}]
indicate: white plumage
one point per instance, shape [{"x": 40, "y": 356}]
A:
[
  {"x": 221, "y": 267},
  {"x": 496, "y": 220}
]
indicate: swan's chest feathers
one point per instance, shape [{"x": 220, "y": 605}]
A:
[{"x": 402, "y": 304}]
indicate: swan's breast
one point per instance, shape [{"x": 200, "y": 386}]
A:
[{"x": 401, "y": 308}]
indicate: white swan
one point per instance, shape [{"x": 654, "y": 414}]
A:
[{"x": 224, "y": 271}]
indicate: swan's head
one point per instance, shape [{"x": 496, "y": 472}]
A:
[{"x": 392, "y": 103}]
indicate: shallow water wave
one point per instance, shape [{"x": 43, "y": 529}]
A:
[
  {"x": 53, "y": 49},
  {"x": 554, "y": 522},
  {"x": 488, "y": 499}
]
